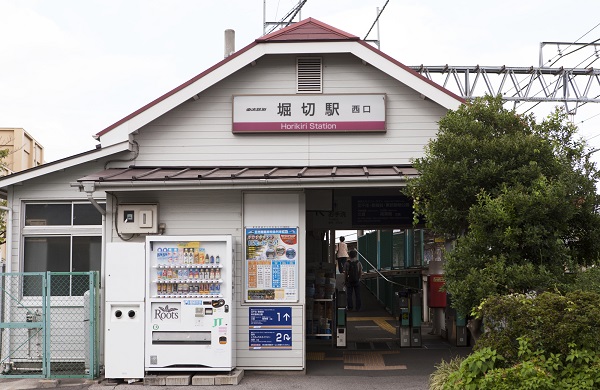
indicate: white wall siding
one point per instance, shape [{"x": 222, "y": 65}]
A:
[
  {"x": 199, "y": 132},
  {"x": 220, "y": 212}
]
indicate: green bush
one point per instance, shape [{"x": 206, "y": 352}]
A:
[
  {"x": 579, "y": 369},
  {"x": 439, "y": 377},
  {"x": 587, "y": 280},
  {"x": 548, "y": 341},
  {"x": 553, "y": 323}
]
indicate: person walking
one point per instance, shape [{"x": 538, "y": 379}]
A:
[
  {"x": 341, "y": 253},
  {"x": 353, "y": 272}
]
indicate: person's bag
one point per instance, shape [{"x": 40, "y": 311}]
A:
[{"x": 353, "y": 276}]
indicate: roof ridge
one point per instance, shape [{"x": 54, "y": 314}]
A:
[{"x": 308, "y": 30}]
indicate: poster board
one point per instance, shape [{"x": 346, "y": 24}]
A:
[{"x": 271, "y": 264}]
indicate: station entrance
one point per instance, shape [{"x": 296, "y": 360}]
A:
[{"x": 402, "y": 304}]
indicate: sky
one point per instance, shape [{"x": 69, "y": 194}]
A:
[{"x": 70, "y": 68}]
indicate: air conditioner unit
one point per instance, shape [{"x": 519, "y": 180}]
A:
[{"x": 137, "y": 218}]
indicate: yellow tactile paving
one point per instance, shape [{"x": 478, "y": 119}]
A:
[
  {"x": 365, "y": 361},
  {"x": 368, "y": 361},
  {"x": 315, "y": 355},
  {"x": 319, "y": 356},
  {"x": 382, "y": 322}
]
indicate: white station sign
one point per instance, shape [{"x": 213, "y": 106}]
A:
[{"x": 308, "y": 113}]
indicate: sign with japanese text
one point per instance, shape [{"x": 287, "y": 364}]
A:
[
  {"x": 270, "y": 339},
  {"x": 309, "y": 113},
  {"x": 270, "y": 327},
  {"x": 271, "y": 264},
  {"x": 396, "y": 211},
  {"x": 274, "y": 316}
]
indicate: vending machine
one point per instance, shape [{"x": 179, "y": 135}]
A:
[
  {"x": 189, "y": 303},
  {"x": 125, "y": 286}
]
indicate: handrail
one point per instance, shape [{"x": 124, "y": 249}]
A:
[{"x": 382, "y": 275}]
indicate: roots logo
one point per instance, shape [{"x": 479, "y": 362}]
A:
[{"x": 166, "y": 313}]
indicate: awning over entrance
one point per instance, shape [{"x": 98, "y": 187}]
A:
[{"x": 133, "y": 176}]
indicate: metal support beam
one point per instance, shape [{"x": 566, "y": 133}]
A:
[{"x": 573, "y": 87}]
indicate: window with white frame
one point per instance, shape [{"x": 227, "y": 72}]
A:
[{"x": 61, "y": 237}]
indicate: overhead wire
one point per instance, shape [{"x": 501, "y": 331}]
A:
[
  {"x": 571, "y": 52},
  {"x": 556, "y": 81},
  {"x": 376, "y": 19},
  {"x": 577, "y": 40},
  {"x": 562, "y": 56},
  {"x": 595, "y": 53},
  {"x": 291, "y": 15}
]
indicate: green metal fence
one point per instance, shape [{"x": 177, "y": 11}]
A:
[{"x": 49, "y": 325}]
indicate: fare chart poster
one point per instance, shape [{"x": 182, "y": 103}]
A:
[{"x": 271, "y": 264}]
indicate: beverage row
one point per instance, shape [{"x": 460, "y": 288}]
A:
[
  {"x": 188, "y": 288},
  {"x": 191, "y": 273},
  {"x": 185, "y": 256}
]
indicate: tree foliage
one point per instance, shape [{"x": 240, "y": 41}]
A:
[{"x": 518, "y": 196}]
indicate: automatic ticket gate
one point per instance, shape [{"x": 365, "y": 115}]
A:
[
  {"x": 410, "y": 314},
  {"x": 340, "y": 321}
]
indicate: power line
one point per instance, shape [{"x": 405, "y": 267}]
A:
[
  {"x": 579, "y": 48},
  {"x": 376, "y": 19},
  {"x": 577, "y": 40}
]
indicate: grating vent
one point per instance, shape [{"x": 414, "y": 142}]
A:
[{"x": 310, "y": 75}]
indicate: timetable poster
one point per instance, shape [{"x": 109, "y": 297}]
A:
[{"x": 271, "y": 264}]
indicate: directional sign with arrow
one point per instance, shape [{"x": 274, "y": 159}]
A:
[
  {"x": 270, "y": 327},
  {"x": 268, "y": 317}
]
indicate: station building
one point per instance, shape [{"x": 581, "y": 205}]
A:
[{"x": 308, "y": 128}]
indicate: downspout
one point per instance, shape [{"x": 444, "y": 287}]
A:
[{"x": 89, "y": 188}]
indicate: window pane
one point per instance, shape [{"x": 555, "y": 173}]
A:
[
  {"x": 418, "y": 248},
  {"x": 86, "y": 257},
  {"x": 47, "y": 214},
  {"x": 86, "y": 253},
  {"x": 87, "y": 214},
  {"x": 399, "y": 250},
  {"x": 43, "y": 254}
]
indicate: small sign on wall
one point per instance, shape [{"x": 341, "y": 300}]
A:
[{"x": 270, "y": 327}]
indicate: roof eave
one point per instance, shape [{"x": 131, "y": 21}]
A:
[
  {"x": 65, "y": 163},
  {"x": 253, "y": 184}
]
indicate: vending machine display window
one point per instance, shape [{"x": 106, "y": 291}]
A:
[{"x": 189, "y": 320}]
